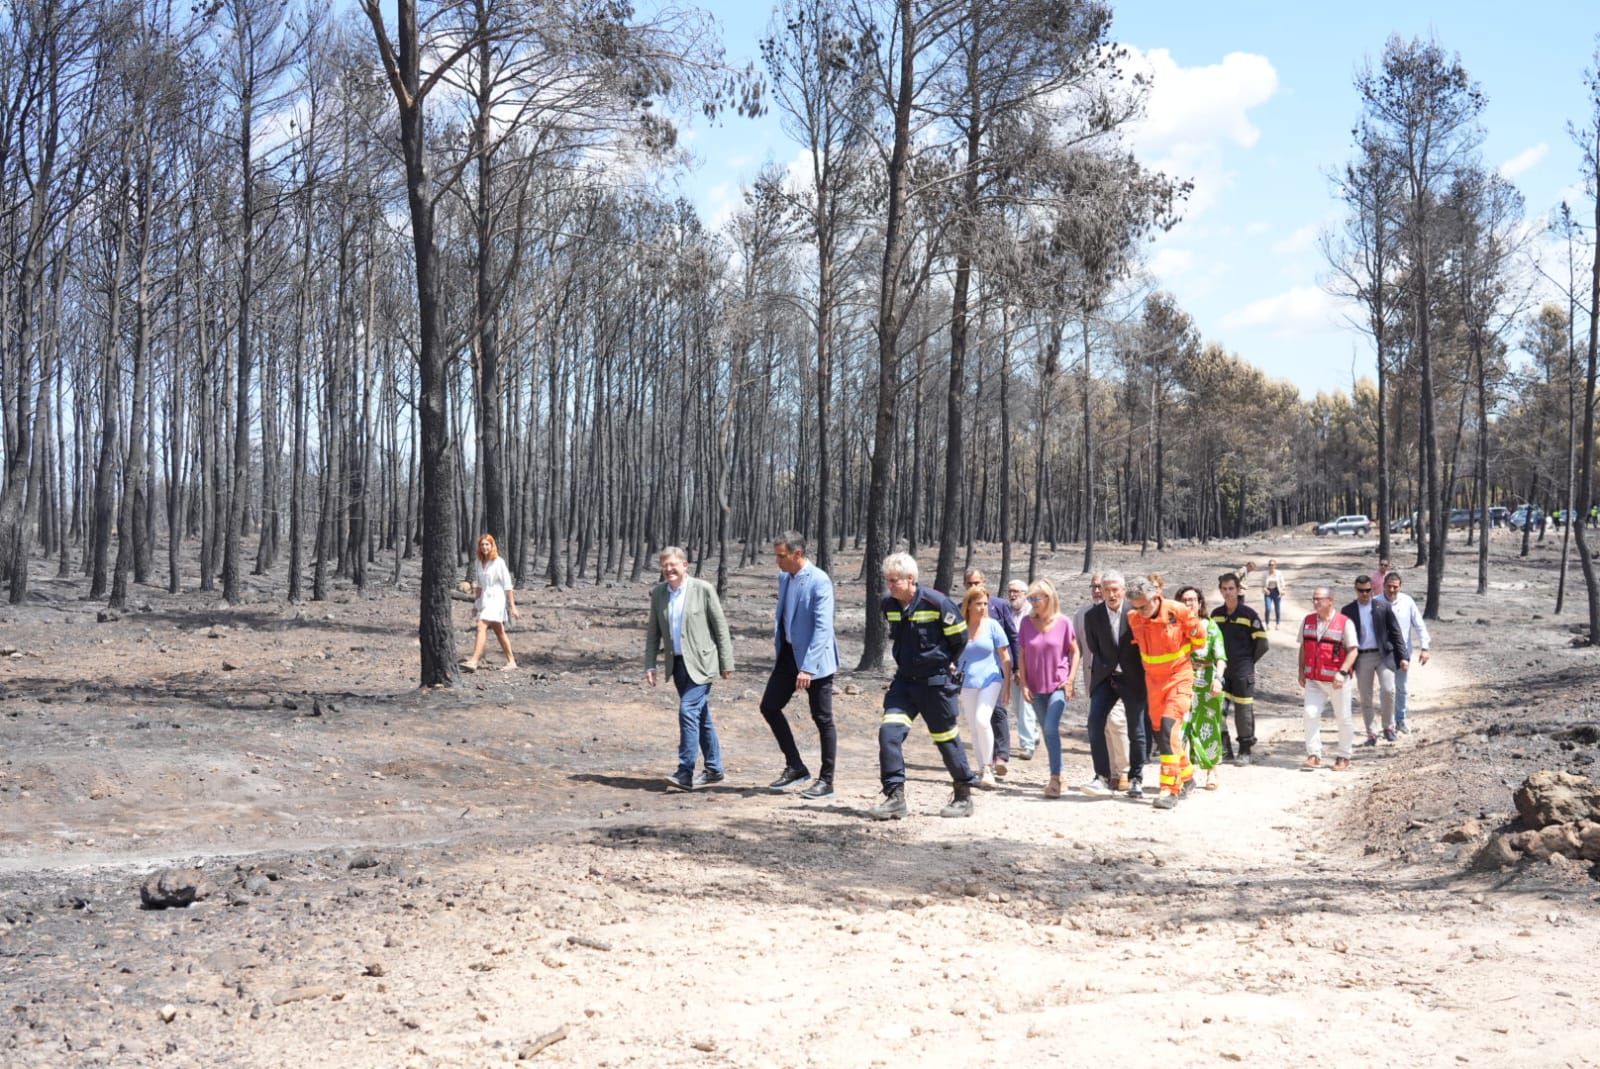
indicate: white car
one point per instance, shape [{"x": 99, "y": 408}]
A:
[{"x": 1358, "y": 525}]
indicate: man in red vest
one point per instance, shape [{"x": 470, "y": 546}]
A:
[{"x": 1328, "y": 651}]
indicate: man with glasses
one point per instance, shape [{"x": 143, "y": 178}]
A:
[
  {"x": 1006, "y": 617},
  {"x": 1415, "y": 630},
  {"x": 1382, "y": 646},
  {"x": 1116, "y": 680},
  {"x": 1166, "y": 632},
  {"x": 1021, "y": 710},
  {"x": 1327, "y": 653},
  {"x": 927, "y": 634}
]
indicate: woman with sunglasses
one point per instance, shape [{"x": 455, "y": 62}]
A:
[{"x": 1049, "y": 654}]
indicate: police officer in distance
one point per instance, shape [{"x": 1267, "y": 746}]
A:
[{"x": 927, "y": 634}]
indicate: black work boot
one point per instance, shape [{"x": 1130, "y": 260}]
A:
[
  {"x": 960, "y": 804},
  {"x": 893, "y": 806}
]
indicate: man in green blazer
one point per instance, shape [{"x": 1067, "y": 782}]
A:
[{"x": 686, "y": 617}]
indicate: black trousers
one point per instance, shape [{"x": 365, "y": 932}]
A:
[
  {"x": 1239, "y": 689},
  {"x": 780, "y": 688}
]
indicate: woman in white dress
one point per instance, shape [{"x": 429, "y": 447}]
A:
[{"x": 492, "y": 587}]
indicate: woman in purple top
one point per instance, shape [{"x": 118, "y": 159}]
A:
[{"x": 1049, "y": 654}]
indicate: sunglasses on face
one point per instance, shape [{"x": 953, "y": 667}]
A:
[{"x": 1363, "y": 590}]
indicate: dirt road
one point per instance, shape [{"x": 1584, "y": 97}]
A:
[{"x": 443, "y": 879}]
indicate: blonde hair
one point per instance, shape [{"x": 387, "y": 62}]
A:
[
  {"x": 1052, "y": 603},
  {"x": 972, "y": 596}
]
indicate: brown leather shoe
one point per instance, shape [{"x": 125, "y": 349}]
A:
[
  {"x": 1311, "y": 763},
  {"x": 1053, "y": 788},
  {"x": 1341, "y": 764},
  {"x": 1122, "y": 783}
]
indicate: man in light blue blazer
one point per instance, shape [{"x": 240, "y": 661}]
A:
[{"x": 807, "y": 659}]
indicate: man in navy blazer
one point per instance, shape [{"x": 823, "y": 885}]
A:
[
  {"x": 1383, "y": 649},
  {"x": 807, "y": 659}
]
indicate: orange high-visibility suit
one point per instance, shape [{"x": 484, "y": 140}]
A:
[{"x": 1165, "y": 641}]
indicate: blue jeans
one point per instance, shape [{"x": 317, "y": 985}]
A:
[
  {"x": 1026, "y": 719},
  {"x": 696, "y": 733},
  {"x": 1049, "y": 708},
  {"x": 1274, "y": 607},
  {"x": 1400, "y": 698}
]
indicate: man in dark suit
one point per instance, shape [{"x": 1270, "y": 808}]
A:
[
  {"x": 1383, "y": 649},
  {"x": 1116, "y": 675}
]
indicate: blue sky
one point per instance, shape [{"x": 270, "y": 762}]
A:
[{"x": 1255, "y": 102}]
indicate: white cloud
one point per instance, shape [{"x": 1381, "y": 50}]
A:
[
  {"x": 1194, "y": 115},
  {"x": 1167, "y": 264},
  {"x": 1256, "y": 229},
  {"x": 1524, "y": 161},
  {"x": 1299, "y": 241},
  {"x": 1302, "y": 309}
]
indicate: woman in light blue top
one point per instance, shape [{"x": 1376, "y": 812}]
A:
[{"x": 985, "y": 679}]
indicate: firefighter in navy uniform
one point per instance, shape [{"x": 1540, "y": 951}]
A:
[{"x": 927, "y": 634}]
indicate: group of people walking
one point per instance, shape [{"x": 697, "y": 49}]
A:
[{"x": 1166, "y": 677}]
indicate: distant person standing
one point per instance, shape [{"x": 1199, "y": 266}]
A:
[
  {"x": 495, "y": 594},
  {"x": 1000, "y": 720},
  {"x": 1272, "y": 590},
  {"x": 1328, "y": 652},
  {"x": 1414, "y": 629},
  {"x": 686, "y": 616},
  {"x": 807, "y": 660}
]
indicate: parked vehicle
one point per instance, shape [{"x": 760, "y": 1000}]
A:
[
  {"x": 1403, "y": 524},
  {"x": 1461, "y": 517},
  {"x": 1358, "y": 525},
  {"x": 1526, "y": 517}
]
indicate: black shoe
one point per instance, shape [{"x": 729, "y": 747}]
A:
[
  {"x": 893, "y": 806},
  {"x": 960, "y": 804},
  {"x": 790, "y": 777},
  {"x": 1136, "y": 788},
  {"x": 1388, "y": 735},
  {"x": 820, "y": 788},
  {"x": 681, "y": 782},
  {"x": 707, "y": 778},
  {"x": 1372, "y": 740}
]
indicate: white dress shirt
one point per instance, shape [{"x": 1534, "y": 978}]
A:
[
  {"x": 675, "y": 604},
  {"x": 1412, "y": 625}
]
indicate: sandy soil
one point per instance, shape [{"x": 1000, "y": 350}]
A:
[{"x": 443, "y": 879}]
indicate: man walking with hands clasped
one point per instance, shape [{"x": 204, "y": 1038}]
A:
[{"x": 808, "y": 659}]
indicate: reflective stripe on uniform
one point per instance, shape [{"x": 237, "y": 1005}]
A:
[
  {"x": 944, "y": 736},
  {"x": 904, "y": 719},
  {"x": 922, "y": 616},
  {"x": 1166, "y": 658},
  {"x": 955, "y": 628},
  {"x": 893, "y": 616},
  {"x": 1258, "y": 634},
  {"x": 1237, "y": 699}
]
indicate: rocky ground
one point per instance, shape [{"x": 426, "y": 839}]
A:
[{"x": 387, "y": 877}]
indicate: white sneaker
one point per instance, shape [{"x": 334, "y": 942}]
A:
[
  {"x": 987, "y": 780},
  {"x": 1097, "y": 788}
]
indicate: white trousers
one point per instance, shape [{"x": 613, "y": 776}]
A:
[
  {"x": 977, "y": 711},
  {"x": 1319, "y": 695}
]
